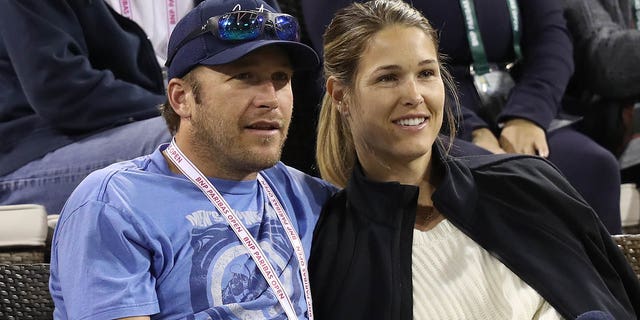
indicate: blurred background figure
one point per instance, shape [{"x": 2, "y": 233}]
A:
[
  {"x": 606, "y": 83},
  {"x": 80, "y": 92}
]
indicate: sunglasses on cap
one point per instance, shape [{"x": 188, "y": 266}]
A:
[{"x": 244, "y": 26}]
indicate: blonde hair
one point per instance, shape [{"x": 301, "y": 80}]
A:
[{"x": 345, "y": 39}]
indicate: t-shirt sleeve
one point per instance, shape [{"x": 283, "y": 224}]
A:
[{"x": 100, "y": 265}]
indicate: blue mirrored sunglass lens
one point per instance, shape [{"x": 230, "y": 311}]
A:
[
  {"x": 286, "y": 28},
  {"x": 240, "y": 26}
]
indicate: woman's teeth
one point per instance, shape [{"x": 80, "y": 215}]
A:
[{"x": 411, "y": 122}]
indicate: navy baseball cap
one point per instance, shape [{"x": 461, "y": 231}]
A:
[{"x": 208, "y": 49}]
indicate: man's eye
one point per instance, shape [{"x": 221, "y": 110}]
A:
[
  {"x": 281, "y": 77},
  {"x": 244, "y": 76}
]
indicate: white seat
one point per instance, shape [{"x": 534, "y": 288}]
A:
[
  {"x": 629, "y": 205},
  {"x": 52, "y": 220},
  {"x": 23, "y": 225}
]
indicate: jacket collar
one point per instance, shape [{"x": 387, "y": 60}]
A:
[
  {"x": 455, "y": 196},
  {"x": 379, "y": 201}
]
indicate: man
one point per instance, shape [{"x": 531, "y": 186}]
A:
[{"x": 194, "y": 229}]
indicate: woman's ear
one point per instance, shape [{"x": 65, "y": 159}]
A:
[
  {"x": 178, "y": 91},
  {"x": 336, "y": 91}
]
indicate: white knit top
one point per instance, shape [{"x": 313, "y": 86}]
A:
[{"x": 455, "y": 278}]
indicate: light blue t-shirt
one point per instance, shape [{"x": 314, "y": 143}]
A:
[{"x": 136, "y": 239}]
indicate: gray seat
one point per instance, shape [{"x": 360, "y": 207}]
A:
[
  {"x": 24, "y": 292},
  {"x": 630, "y": 246},
  {"x": 24, "y": 288}
]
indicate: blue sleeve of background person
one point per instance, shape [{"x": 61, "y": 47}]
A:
[
  {"x": 46, "y": 45},
  {"x": 470, "y": 121},
  {"x": 547, "y": 65}
]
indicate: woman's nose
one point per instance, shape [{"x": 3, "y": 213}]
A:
[{"x": 411, "y": 95}]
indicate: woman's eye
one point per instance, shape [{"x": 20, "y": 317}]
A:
[
  {"x": 427, "y": 73},
  {"x": 387, "y": 78}
]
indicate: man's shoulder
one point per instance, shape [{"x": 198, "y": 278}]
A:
[
  {"x": 139, "y": 164},
  {"x": 298, "y": 186},
  {"x": 114, "y": 176}
]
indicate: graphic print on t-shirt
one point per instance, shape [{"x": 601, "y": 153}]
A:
[{"x": 224, "y": 275}]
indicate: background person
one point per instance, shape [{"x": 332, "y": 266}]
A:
[
  {"x": 72, "y": 95},
  {"x": 606, "y": 84}
]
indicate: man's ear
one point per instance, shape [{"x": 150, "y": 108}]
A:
[
  {"x": 178, "y": 93},
  {"x": 336, "y": 91}
]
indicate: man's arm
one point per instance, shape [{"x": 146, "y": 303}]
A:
[
  {"x": 100, "y": 264},
  {"x": 136, "y": 318}
]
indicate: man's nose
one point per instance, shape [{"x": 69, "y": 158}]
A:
[{"x": 266, "y": 96}]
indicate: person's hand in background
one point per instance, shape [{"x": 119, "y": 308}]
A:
[
  {"x": 484, "y": 138},
  {"x": 525, "y": 137}
]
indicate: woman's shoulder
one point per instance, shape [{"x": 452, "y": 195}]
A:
[
  {"x": 515, "y": 170},
  {"x": 507, "y": 163}
]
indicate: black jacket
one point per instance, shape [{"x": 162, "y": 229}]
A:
[{"x": 519, "y": 208}]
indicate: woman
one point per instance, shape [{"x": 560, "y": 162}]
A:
[
  {"x": 529, "y": 121},
  {"x": 419, "y": 234}
]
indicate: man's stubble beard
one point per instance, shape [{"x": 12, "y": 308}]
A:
[{"x": 227, "y": 151}]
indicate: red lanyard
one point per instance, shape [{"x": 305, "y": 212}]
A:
[{"x": 190, "y": 171}]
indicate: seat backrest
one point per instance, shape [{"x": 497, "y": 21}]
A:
[
  {"x": 24, "y": 288},
  {"x": 24, "y": 291},
  {"x": 23, "y": 234},
  {"x": 630, "y": 246}
]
